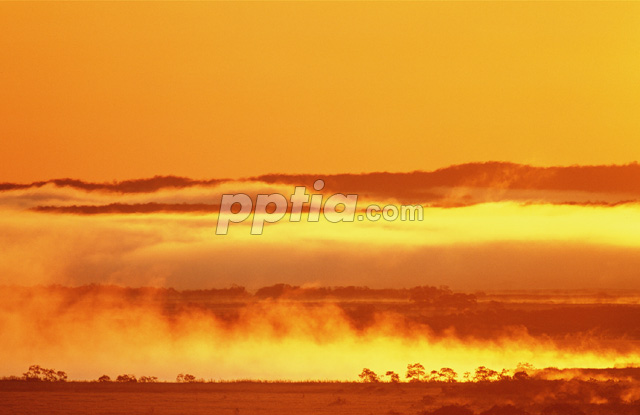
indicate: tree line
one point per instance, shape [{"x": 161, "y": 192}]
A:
[
  {"x": 37, "y": 373},
  {"x": 417, "y": 373}
]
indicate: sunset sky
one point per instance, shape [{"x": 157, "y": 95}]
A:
[{"x": 104, "y": 91}]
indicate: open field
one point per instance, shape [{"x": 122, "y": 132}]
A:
[
  {"x": 231, "y": 398},
  {"x": 486, "y": 398}
]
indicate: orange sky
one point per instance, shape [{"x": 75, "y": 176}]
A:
[{"x": 122, "y": 90}]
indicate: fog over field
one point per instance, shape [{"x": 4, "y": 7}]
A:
[{"x": 285, "y": 332}]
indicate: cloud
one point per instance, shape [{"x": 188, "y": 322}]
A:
[
  {"x": 127, "y": 186},
  {"x": 459, "y": 185},
  {"x": 488, "y": 246}
]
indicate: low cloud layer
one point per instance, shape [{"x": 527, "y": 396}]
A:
[{"x": 517, "y": 227}]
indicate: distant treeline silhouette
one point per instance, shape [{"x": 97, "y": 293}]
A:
[
  {"x": 127, "y": 378},
  {"x": 417, "y": 373},
  {"x": 181, "y": 378},
  {"x": 37, "y": 373},
  {"x": 422, "y": 294}
]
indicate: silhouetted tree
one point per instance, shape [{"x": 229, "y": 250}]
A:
[
  {"x": 186, "y": 378},
  {"x": 523, "y": 370},
  {"x": 443, "y": 375},
  {"x": 126, "y": 378},
  {"x": 504, "y": 375},
  {"x": 368, "y": 376},
  {"x": 415, "y": 372},
  {"x": 104, "y": 378},
  {"x": 485, "y": 374},
  {"x": 393, "y": 376},
  {"x": 525, "y": 367},
  {"x": 520, "y": 375},
  {"x": 33, "y": 373},
  {"x": 148, "y": 379},
  {"x": 38, "y": 373}
]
